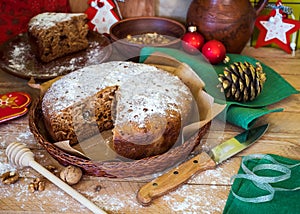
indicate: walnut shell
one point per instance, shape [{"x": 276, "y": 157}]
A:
[{"x": 71, "y": 174}]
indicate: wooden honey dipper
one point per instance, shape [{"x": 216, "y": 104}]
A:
[{"x": 21, "y": 156}]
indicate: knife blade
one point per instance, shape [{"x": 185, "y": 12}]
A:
[{"x": 205, "y": 160}]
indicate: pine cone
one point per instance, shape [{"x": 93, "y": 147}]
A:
[{"x": 242, "y": 82}]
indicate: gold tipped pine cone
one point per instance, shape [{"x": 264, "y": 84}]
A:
[{"x": 242, "y": 82}]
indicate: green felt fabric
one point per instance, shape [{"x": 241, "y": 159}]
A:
[
  {"x": 244, "y": 115},
  {"x": 284, "y": 202}
]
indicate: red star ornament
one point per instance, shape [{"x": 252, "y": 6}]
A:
[{"x": 276, "y": 30}]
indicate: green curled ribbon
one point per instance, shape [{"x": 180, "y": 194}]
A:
[{"x": 264, "y": 182}]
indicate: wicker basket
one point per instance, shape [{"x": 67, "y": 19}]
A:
[{"x": 111, "y": 169}]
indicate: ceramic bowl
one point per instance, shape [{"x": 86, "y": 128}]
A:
[{"x": 139, "y": 26}]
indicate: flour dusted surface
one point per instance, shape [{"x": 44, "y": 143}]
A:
[
  {"x": 47, "y": 20},
  {"x": 20, "y": 59},
  {"x": 144, "y": 89},
  {"x": 144, "y": 107}
]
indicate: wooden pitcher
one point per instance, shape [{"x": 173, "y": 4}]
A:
[{"x": 229, "y": 21}]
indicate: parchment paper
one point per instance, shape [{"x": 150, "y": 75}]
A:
[{"x": 206, "y": 108}]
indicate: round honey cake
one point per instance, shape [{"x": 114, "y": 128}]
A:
[{"x": 144, "y": 107}]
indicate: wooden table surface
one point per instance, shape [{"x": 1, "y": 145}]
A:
[{"x": 206, "y": 192}]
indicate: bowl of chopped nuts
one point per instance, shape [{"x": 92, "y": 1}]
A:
[{"x": 130, "y": 35}]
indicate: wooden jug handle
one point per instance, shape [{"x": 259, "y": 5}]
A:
[{"x": 260, "y": 6}]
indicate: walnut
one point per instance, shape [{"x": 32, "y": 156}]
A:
[
  {"x": 71, "y": 174},
  {"x": 38, "y": 184},
  {"x": 9, "y": 177},
  {"x": 148, "y": 39}
]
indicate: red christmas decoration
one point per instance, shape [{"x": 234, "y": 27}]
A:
[
  {"x": 101, "y": 15},
  {"x": 192, "y": 41},
  {"x": 214, "y": 51},
  {"x": 276, "y": 28},
  {"x": 13, "y": 105}
]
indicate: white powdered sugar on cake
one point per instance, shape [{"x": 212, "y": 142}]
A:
[
  {"x": 48, "y": 19},
  {"x": 143, "y": 90}
]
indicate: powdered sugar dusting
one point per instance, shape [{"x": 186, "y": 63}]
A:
[
  {"x": 219, "y": 175},
  {"x": 47, "y": 20},
  {"x": 44, "y": 199},
  {"x": 144, "y": 90},
  {"x": 20, "y": 59},
  {"x": 93, "y": 55},
  {"x": 113, "y": 196},
  {"x": 185, "y": 199},
  {"x": 18, "y": 56},
  {"x": 195, "y": 202},
  {"x": 113, "y": 202},
  {"x": 5, "y": 166},
  {"x": 23, "y": 136}
]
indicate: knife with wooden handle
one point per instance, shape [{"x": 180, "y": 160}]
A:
[{"x": 204, "y": 161}]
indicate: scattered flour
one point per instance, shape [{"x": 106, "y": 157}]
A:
[
  {"x": 190, "y": 203},
  {"x": 182, "y": 200},
  {"x": 20, "y": 59},
  {"x": 47, "y": 20},
  {"x": 24, "y": 136},
  {"x": 135, "y": 102},
  {"x": 18, "y": 56},
  {"x": 5, "y": 166}
]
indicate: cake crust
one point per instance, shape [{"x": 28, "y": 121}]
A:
[
  {"x": 54, "y": 35},
  {"x": 144, "y": 106}
]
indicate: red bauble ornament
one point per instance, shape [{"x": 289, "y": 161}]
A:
[
  {"x": 192, "y": 41},
  {"x": 214, "y": 51}
]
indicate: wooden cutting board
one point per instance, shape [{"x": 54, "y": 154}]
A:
[{"x": 128, "y": 8}]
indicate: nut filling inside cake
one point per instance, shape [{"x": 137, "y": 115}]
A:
[{"x": 143, "y": 106}]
